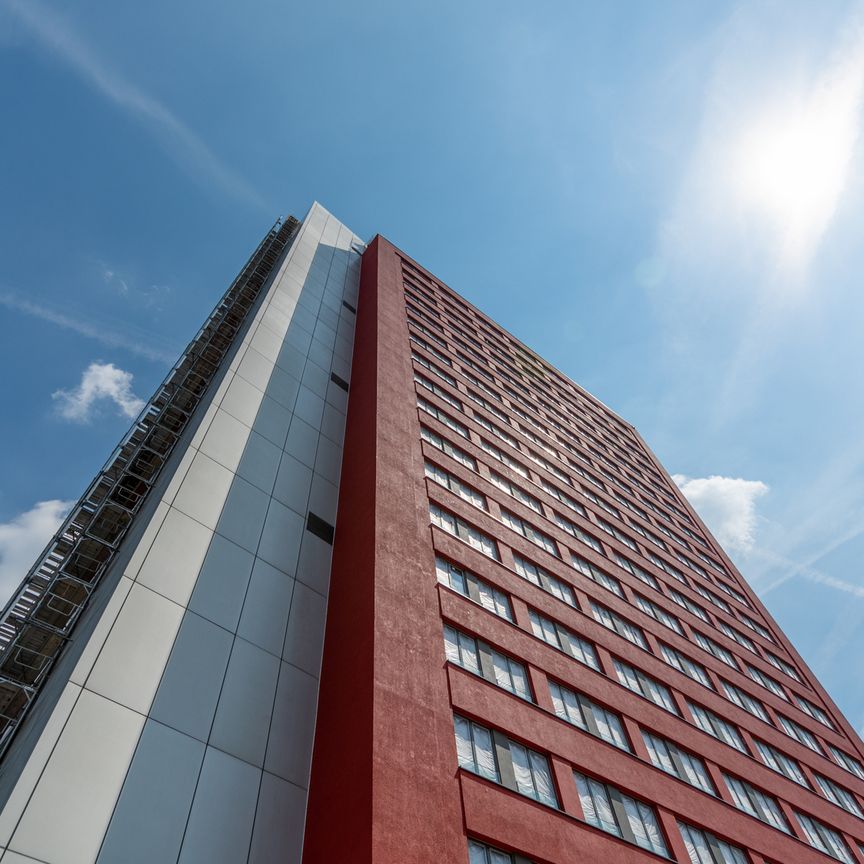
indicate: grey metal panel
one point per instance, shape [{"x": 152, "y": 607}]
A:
[
  {"x": 323, "y": 498},
  {"x": 260, "y": 462},
  {"x": 321, "y": 354},
  {"x": 302, "y": 441},
  {"x": 243, "y": 714},
  {"x": 151, "y": 813},
  {"x": 313, "y": 567},
  {"x": 222, "y": 582},
  {"x": 278, "y": 832},
  {"x": 291, "y": 361},
  {"x": 187, "y": 696},
  {"x": 220, "y": 824},
  {"x": 283, "y": 388},
  {"x": 316, "y": 378},
  {"x": 333, "y": 423},
  {"x": 280, "y": 541},
  {"x": 293, "y": 482},
  {"x": 299, "y": 338},
  {"x": 272, "y": 421},
  {"x": 243, "y": 514},
  {"x": 328, "y": 460},
  {"x": 305, "y": 634},
  {"x": 309, "y": 407},
  {"x": 265, "y": 612},
  {"x": 289, "y": 751}
]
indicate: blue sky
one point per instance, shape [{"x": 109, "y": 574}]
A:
[{"x": 663, "y": 199}]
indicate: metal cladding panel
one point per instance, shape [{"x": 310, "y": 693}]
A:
[{"x": 190, "y": 718}]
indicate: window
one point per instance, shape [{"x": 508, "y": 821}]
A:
[
  {"x": 712, "y": 598},
  {"x": 757, "y": 803},
  {"x": 716, "y": 726},
  {"x": 578, "y": 533},
  {"x": 782, "y": 665},
  {"x": 455, "y": 485},
  {"x": 564, "y": 498},
  {"x": 435, "y": 370},
  {"x": 474, "y": 588},
  {"x": 738, "y": 637},
  {"x": 813, "y": 710},
  {"x": 620, "y": 536},
  {"x": 586, "y": 568},
  {"x": 559, "y": 637},
  {"x": 481, "y": 659},
  {"x": 637, "y": 681},
  {"x": 844, "y": 760},
  {"x": 799, "y": 733},
  {"x": 440, "y": 392},
  {"x": 529, "y": 532},
  {"x": 496, "y": 757},
  {"x": 679, "y": 763},
  {"x": 684, "y": 664},
  {"x": 544, "y": 579},
  {"x": 614, "y": 622},
  {"x": 611, "y": 810},
  {"x": 712, "y": 647},
  {"x": 445, "y": 446},
  {"x": 766, "y": 681},
  {"x": 659, "y": 614},
  {"x": 480, "y": 853},
  {"x": 581, "y": 711},
  {"x": 755, "y": 626},
  {"x": 781, "y": 763},
  {"x": 667, "y": 568},
  {"x": 824, "y": 839},
  {"x": 637, "y": 571},
  {"x": 515, "y": 492},
  {"x": 744, "y": 700},
  {"x": 441, "y": 417},
  {"x": 465, "y": 532},
  {"x": 705, "y": 848},
  {"x": 838, "y": 795},
  {"x": 503, "y": 458},
  {"x": 688, "y": 604},
  {"x": 491, "y": 427},
  {"x": 438, "y": 355}
]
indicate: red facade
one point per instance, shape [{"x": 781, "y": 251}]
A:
[{"x": 512, "y": 562}]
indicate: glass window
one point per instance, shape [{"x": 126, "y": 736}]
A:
[
  {"x": 529, "y": 532},
  {"x": 844, "y": 760},
  {"x": 542, "y": 578},
  {"x": 704, "y": 848},
  {"x": 838, "y": 795},
  {"x": 559, "y": 637},
  {"x": 712, "y": 647},
  {"x": 744, "y": 700},
  {"x": 575, "y": 531},
  {"x": 781, "y": 763},
  {"x": 824, "y": 839},
  {"x": 586, "y": 568},
  {"x": 673, "y": 760},
  {"x": 455, "y": 485},
  {"x": 684, "y": 664},
  {"x": 637, "y": 681},
  {"x": 441, "y": 417},
  {"x": 445, "y": 446},
  {"x": 578, "y": 709},
  {"x": 799, "y": 733},
  {"x": 465, "y": 532},
  {"x": 474, "y": 588},
  {"x": 613, "y": 621},
  {"x": 757, "y": 803},
  {"x": 716, "y": 726},
  {"x": 480, "y": 853},
  {"x": 516, "y": 492},
  {"x": 609, "y": 809},
  {"x": 667, "y": 619},
  {"x": 466, "y": 651}
]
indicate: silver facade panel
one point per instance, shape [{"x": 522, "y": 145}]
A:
[{"x": 202, "y": 672}]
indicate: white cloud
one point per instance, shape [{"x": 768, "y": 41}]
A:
[
  {"x": 56, "y": 35},
  {"x": 23, "y": 538},
  {"x": 727, "y": 505},
  {"x": 99, "y": 381}
]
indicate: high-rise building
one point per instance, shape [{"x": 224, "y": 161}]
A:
[{"x": 524, "y": 647}]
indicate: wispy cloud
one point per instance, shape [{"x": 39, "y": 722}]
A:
[
  {"x": 92, "y": 330},
  {"x": 728, "y": 506},
  {"x": 56, "y": 35},
  {"x": 99, "y": 382},
  {"x": 23, "y": 538}
]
